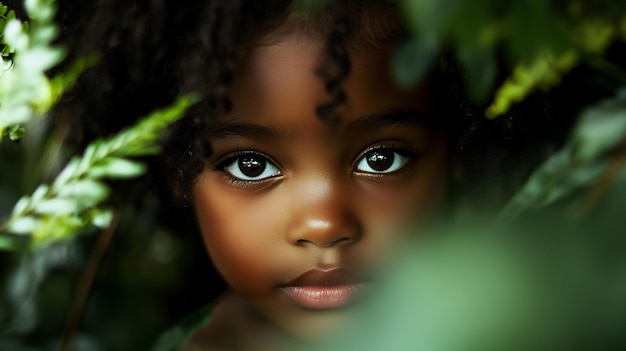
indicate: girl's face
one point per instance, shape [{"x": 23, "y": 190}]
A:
[{"x": 294, "y": 214}]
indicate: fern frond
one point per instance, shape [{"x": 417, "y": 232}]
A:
[{"x": 72, "y": 202}]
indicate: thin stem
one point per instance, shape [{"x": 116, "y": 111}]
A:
[{"x": 85, "y": 283}]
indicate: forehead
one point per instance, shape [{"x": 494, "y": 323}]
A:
[{"x": 276, "y": 84}]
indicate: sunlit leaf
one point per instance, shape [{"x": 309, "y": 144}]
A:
[
  {"x": 21, "y": 205},
  {"x": 103, "y": 218},
  {"x": 55, "y": 228},
  {"x": 67, "y": 173},
  {"x": 42, "y": 10},
  {"x": 14, "y": 36},
  {"x": 56, "y": 206},
  {"x": 116, "y": 168},
  {"x": 87, "y": 191},
  {"x": 601, "y": 128},
  {"x": 544, "y": 72},
  {"x": 579, "y": 163},
  {"x": 23, "y": 225},
  {"x": 71, "y": 204},
  {"x": 16, "y": 133},
  {"x": 41, "y": 59},
  {"x": 40, "y": 192}
]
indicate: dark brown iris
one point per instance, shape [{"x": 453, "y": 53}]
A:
[
  {"x": 252, "y": 166},
  {"x": 380, "y": 160}
]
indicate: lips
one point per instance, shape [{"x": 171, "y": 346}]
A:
[{"x": 324, "y": 289}]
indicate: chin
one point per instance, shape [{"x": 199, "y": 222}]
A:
[{"x": 311, "y": 325}]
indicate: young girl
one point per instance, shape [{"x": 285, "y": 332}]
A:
[
  {"x": 303, "y": 161},
  {"x": 309, "y": 170}
]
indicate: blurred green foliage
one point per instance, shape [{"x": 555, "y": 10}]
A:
[
  {"x": 41, "y": 230},
  {"x": 25, "y": 90},
  {"x": 73, "y": 201},
  {"x": 540, "y": 41}
]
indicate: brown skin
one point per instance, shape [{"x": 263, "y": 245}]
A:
[{"x": 316, "y": 204}]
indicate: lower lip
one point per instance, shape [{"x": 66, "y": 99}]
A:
[{"x": 323, "y": 297}]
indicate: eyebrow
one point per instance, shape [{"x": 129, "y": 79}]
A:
[
  {"x": 234, "y": 128},
  {"x": 392, "y": 117}
]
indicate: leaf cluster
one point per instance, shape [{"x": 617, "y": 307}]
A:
[
  {"x": 579, "y": 164},
  {"x": 542, "y": 41},
  {"x": 73, "y": 201},
  {"x": 28, "y": 53},
  {"x": 6, "y": 15},
  {"x": 25, "y": 90}
]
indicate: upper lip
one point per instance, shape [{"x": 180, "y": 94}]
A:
[{"x": 320, "y": 277}]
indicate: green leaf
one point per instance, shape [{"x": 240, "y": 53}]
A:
[
  {"x": 59, "y": 212},
  {"x": 23, "y": 225},
  {"x": 16, "y": 133},
  {"x": 412, "y": 60},
  {"x": 544, "y": 72},
  {"x": 579, "y": 163},
  {"x": 14, "y": 35},
  {"x": 56, "y": 206},
  {"x": 116, "y": 168},
  {"x": 15, "y": 115},
  {"x": 55, "y": 228},
  {"x": 40, "y": 192},
  {"x": 527, "y": 42},
  {"x": 86, "y": 191},
  {"x": 102, "y": 218},
  {"x": 428, "y": 15},
  {"x": 21, "y": 205},
  {"x": 70, "y": 171},
  {"x": 601, "y": 128},
  {"x": 65, "y": 80},
  {"x": 41, "y": 59},
  {"x": 481, "y": 69},
  {"x": 42, "y": 10},
  {"x": 7, "y": 243}
]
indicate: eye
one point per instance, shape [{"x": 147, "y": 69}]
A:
[
  {"x": 251, "y": 166},
  {"x": 381, "y": 160}
]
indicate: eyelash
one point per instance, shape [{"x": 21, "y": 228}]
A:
[
  {"x": 223, "y": 163},
  {"x": 411, "y": 153}
]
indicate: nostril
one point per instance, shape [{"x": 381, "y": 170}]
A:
[{"x": 343, "y": 240}]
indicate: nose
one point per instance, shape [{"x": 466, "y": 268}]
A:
[{"x": 325, "y": 222}]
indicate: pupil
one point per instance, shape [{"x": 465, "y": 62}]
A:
[
  {"x": 380, "y": 160},
  {"x": 251, "y": 167}
]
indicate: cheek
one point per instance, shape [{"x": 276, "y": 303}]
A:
[{"x": 237, "y": 233}]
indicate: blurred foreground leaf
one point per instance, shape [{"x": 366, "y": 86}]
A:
[
  {"x": 73, "y": 201},
  {"x": 600, "y": 129},
  {"x": 28, "y": 52},
  {"x": 476, "y": 288}
]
